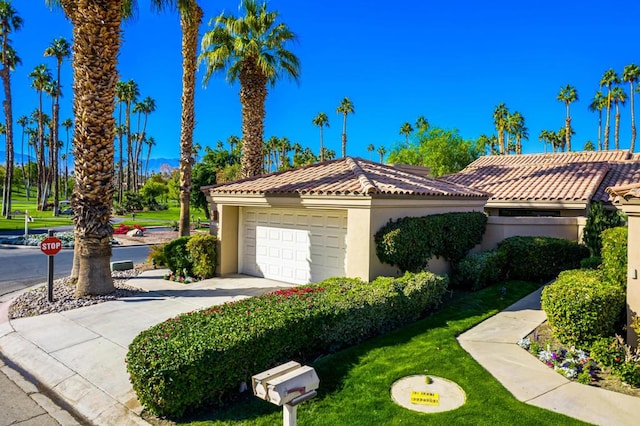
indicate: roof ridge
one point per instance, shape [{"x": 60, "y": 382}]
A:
[{"x": 368, "y": 187}]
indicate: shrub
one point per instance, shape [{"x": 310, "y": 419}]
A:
[
  {"x": 590, "y": 262},
  {"x": 200, "y": 358},
  {"x": 581, "y": 307},
  {"x": 540, "y": 258},
  {"x": 599, "y": 220},
  {"x": 202, "y": 252},
  {"x": 156, "y": 253},
  {"x": 478, "y": 270},
  {"x": 122, "y": 229},
  {"x": 607, "y": 352},
  {"x": 410, "y": 242},
  {"x": 177, "y": 257},
  {"x": 614, "y": 255}
]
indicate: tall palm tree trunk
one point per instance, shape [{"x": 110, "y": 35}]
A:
[
  {"x": 321, "y": 146},
  {"x": 633, "y": 121},
  {"x": 606, "y": 126},
  {"x": 600, "y": 129},
  {"x": 96, "y": 34},
  {"x": 253, "y": 93},
  {"x": 40, "y": 158},
  {"x": 54, "y": 153},
  {"x": 189, "y": 21},
  {"x": 344, "y": 136},
  {"x": 8, "y": 111},
  {"x": 617, "y": 130}
]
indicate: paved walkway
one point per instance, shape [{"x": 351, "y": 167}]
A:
[
  {"x": 79, "y": 354},
  {"x": 493, "y": 344}
]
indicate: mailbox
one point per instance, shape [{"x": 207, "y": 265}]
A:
[
  {"x": 284, "y": 389},
  {"x": 259, "y": 381}
]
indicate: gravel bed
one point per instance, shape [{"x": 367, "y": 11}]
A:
[{"x": 35, "y": 302}]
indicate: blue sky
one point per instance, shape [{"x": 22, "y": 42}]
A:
[{"x": 452, "y": 62}]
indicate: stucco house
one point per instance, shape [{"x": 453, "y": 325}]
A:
[
  {"x": 310, "y": 223},
  {"x": 545, "y": 194},
  {"x": 627, "y": 198}
]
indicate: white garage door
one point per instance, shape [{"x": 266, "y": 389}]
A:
[{"x": 295, "y": 246}]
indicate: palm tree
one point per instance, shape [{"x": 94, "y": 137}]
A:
[
  {"x": 500, "y": 116},
  {"x": 406, "y": 130},
  {"x": 381, "y": 151},
  {"x": 96, "y": 35},
  {"x": 251, "y": 49},
  {"x": 597, "y": 104},
  {"x": 151, "y": 142},
  {"x": 269, "y": 149},
  {"x": 328, "y": 154},
  {"x": 618, "y": 97},
  {"x": 608, "y": 79},
  {"x": 52, "y": 90},
  {"x": 370, "y": 148},
  {"x": 545, "y": 138},
  {"x": 128, "y": 93},
  {"x": 9, "y": 22},
  {"x": 345, "y": 108},
  {"x": 518, "y": 130},
  {"x": 41, "y": 76},
  {"x": 321, "y": 120},
  {"x": 59, "y": 49},
  {"x": 631, "y": 73},
  {"x": 567, "y": 95},
  {"x": 23, "y": 121},
  {"x": 422, "y": 124},
  {"x": 67, "y": 124},
  {"x": 146, "y": 107}
]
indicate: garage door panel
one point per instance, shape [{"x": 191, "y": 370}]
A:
[{"x": 294, "y": 245}]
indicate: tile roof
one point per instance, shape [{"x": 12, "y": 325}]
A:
[
  {"x": 345, "y": 176},
  {"x": 625, "y": 192},
  {"x": 577, "y": 177}
]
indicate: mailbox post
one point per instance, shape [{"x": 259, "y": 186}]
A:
[{"x": 286, "y": 385}]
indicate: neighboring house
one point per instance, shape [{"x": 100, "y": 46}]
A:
[
  {"x": 545, "y": 194},
  {"x": 627, "y": 198},
  {"x": 310, "y": 223}
]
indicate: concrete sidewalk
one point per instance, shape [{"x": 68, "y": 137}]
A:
[
  {"x": 493, "y": 344},
  {"x": 79, "y": 354}
]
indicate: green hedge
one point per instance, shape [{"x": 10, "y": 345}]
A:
[
  {"x": 201, "y": 358},
  {"x": 177, "y": 257},
  {"x": 598, "y": 220},
  {"x": 478, "y": 270},
  {"x": 614, "y": 255},
  {"x": 410, "y": 242},
  {"x": 582, "y": 307},
  {"x": 540, "y": 259},
  {"x": 191, "y": 256}
]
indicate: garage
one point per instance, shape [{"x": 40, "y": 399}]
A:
[{"x": 293, "y": 245}]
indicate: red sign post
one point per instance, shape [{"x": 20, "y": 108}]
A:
[{"x": 50, "y": 246}]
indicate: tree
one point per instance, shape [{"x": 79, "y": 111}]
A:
[
  {"x": 443, "y": 151},
  {"x": 345, "y": 108},
  {"x": 146, "y": 107},
  {"x": 631, "y": 73},
  {"x": 24, "y": 122},
  {"x": 151, "y": 142},
  {"x": 40, "y": 76},
  {"x": 60, "y": 49},
  {"x": 127, "y": 93},
  {"x": 618, "y": 97},
  {"x": 516, "y": 126},
  {"x": 545, "y": 137},
  {"x": 500, "y": 116},
  {"x": 381, "y": 151},
  {"x": 10, "y": 22},
  {"x": 589, "y": 146},
  {"x": 321, "y": 120},
  {"x": 567, "y": 95},
  {"x": 251, "y": 49},
  {"x": 422, "y": 124},
  {"x": 96, "y": 35},
  {"x": 406, "y": 130},
  {"x": 370, "y": 148},
  {"x": 67, "y": 124},
  {"x": 597, "y": 104},
  {"x": 608, "y": 79}
]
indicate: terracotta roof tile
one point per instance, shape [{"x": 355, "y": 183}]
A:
[
  {"x": 624, "y": 192},
  {"x": 346, "y": 176},
  {"x": 580, "y": 176}
]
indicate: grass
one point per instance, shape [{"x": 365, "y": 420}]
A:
[{"x": 355, "y": 383}]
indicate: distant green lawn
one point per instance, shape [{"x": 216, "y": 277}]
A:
[
  {"x": 355, "y": 383},
  {"x": 45, "y": 219}
]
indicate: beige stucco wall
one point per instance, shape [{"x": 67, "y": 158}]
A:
[
  {"x": 499, "y": 228},
  {"x": 632, "y": 209},
  {"x": 228, "y": 221}
]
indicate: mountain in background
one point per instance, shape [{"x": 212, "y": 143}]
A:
[{"x": 155, "y": 164}]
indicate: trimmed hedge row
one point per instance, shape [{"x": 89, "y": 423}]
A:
[
  {"x": 614, "y": 255},
  {"x": 582, "y": 307},
  {"x": 410, "y": 242},
  {"x": 201, "y": 358}
]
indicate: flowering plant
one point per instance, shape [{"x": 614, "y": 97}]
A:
[{"x": 574, "y": 364}]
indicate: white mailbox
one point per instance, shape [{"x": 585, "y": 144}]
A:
[{"x": 286, "y": 385}]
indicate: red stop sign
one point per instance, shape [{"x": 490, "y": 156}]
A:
[{"x": 51, "y": 246}]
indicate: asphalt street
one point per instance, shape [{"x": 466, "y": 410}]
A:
[{"x": 21, "y": 266}]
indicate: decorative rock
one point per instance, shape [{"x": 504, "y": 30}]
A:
[
  {"x": 123, "y": 265},
  {"x": 135, "y": 233}
]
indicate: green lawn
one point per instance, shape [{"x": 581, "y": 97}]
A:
[{"x": 355, "y": 383}]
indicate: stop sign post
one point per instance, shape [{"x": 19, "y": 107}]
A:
[{"x": 50, "y": 246}]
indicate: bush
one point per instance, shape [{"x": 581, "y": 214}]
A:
[
  {"x": 614, "y": 255},
  {"x": 581, "y": 307},
  {"x": 540, "y": 259},
  {"x": 410, "y": 242},
  {"x": 599, "y": 220},
  {"x": 200, "y": 358},
  {"x": 607, "y": 352},
  {"x": 590, "y": 262},
  {"x": 478, "y": 270},
  {"x": 177, "y": 257},
  {"x": 202, "y": 252},
  {"x": 156, "y": 253}
]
